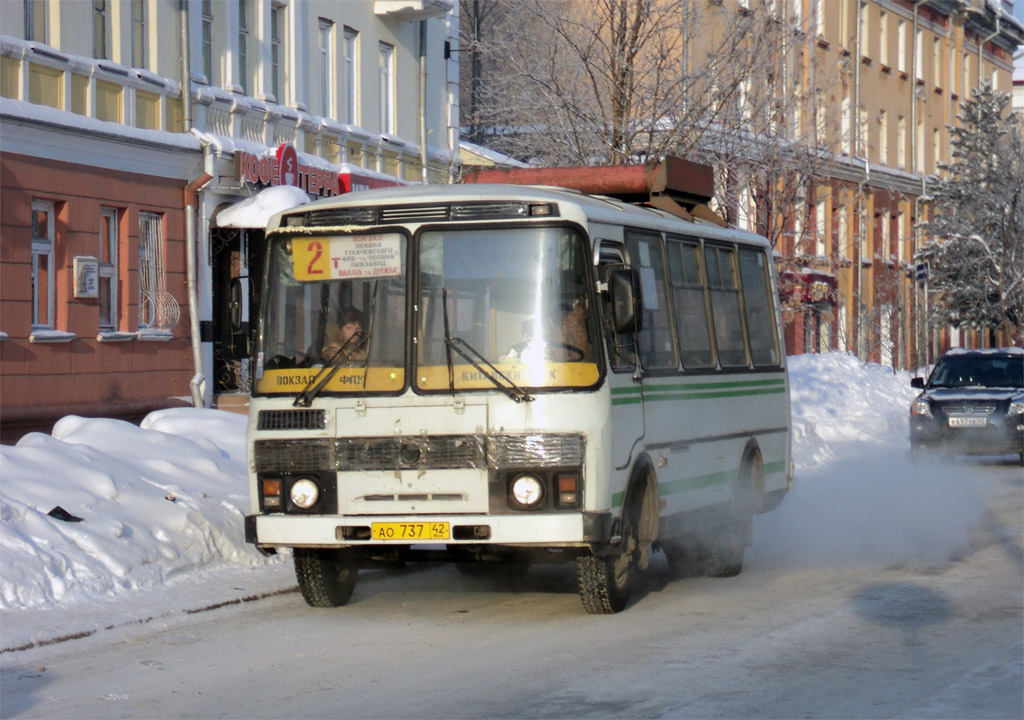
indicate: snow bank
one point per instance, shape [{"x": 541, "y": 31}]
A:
[{"x": 154, "y": 502}]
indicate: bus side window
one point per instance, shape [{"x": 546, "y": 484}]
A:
[
  {"x": 657, "y": 346},
  {"x": 689, "y": 295},
  {"x": 764, "y": 348},
  {"x": 725, "y": 305}
]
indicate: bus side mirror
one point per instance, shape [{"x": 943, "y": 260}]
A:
[{"x": 624, "y": 293}]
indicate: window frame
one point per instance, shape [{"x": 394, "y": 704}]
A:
[
  {"x": 325, "y": 54},
  {"x": 99, "y": 30},
  {"x": 138, "y": 17},
  {"x": 350, "y": 76},
  {"x": 679, "y": 281},
  {"x": 386, "y": 86},
  {"x": 150, "y": 266},
  {"x": 206, "y": 15},
  {"x": 108, "y": 269},
  {"x": 277, "y": 22},
  {"x": 43, "y": 247},
  {"x": 243, "y": 46}
]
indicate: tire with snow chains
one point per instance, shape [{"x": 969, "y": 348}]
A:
[
  {"x": 326, "y": 577},
  {"x": 605, "y": 582}
]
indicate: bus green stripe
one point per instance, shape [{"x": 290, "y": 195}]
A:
[
  {"x": 657, "y": 396},
  {"x": 657, "y": 387},
  {"x": 698, "y": 482}
]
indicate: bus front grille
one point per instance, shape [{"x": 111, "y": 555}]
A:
[{"x": 291, "y": 420}]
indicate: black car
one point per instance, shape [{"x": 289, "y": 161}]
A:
[{"x": 973, "y": 404}]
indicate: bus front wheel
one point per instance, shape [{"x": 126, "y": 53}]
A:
[
  {"x": 606, "y": 581},
  {"x": 326, "y": 577}
]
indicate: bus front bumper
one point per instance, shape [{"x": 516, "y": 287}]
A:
[{"x": 536, "y": 530}]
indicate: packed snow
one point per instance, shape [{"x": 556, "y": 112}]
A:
[{"x": 105, "y": 522}]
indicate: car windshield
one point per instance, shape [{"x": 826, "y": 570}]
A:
[
  {"x": 513, "y": 304},
  {"x": 979, "y": 371},
  {"x": 337, "y": 302}
]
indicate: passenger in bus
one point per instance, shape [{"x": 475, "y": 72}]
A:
[{"x": 344, "y": 341}]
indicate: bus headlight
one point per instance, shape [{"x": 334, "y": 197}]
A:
[
  {"x": 304, "y": 493},
  {"x": 527, "y": 491}
]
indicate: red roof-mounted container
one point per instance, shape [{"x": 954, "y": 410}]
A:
[{"x": 674, "y": 185}]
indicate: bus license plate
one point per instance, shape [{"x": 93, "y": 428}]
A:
[
  {"x": 409, "y": 531},
  {"x": 967, "y": 421}
]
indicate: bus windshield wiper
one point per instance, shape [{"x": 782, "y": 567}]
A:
[
  {"x": 323, "y": 376},
  {"x": 468, "y": 352}
]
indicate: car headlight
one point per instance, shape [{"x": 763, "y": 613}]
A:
[
  {"x": 921, "y": 407},
  {"x": 1016, "y": 408},
  {"x": 304, "y": 493},
  {"x": 527, "y": 491}
]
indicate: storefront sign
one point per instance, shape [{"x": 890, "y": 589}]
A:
[{"x": 284, "y": 168}]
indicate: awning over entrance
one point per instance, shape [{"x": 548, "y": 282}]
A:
[{"x": 256, "y": 211}]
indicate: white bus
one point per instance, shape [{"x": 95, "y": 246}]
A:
[{"x": 502, "y": 375}]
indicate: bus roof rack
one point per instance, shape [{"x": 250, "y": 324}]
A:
[{"x": 677, "y": 186}]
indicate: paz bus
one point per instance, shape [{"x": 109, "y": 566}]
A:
[{"x": 499, "y": 375}]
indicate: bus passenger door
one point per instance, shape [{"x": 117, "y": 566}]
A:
[{"x": 625, "y": 379}]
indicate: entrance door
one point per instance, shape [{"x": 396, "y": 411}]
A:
[{"x": 235, "y": 254}]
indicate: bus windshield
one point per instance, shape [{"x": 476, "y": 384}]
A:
[
  {"x": 336, "y": 302},
  {"x": 517, "y": 299}
]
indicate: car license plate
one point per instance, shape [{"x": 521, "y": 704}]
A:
[
  {"x": 967, "y": 421},
  {"x": 409, "y": 531}
]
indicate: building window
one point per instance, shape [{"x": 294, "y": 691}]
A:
[
  {"x": 243, "y": 45},
  {"x": 349, "y": 81},
  {"x": 919, "y": 146},
  {"x": 846, "y": 126},
  {"x": 883, "y": 38},
  {"x": 901, "y": 142},
  {"x": 107, "y": 256},
  {"x": 42, "y": 264},
  {"x": 152, "y": 298},
  {"x": 276, "y": 33},
  {"x": 386, "y": 87},
  {"x": 843, "y": 230},
  {"x": 936, "y": 147},
  {"x": 937, "y": 62},
  {"x": 919, "y": 54},
  {"x": 326, "y": 68},
  {"x": 99, "y": 29},
  {"x": 901, "y": 50},
  {"x": 820, "y": 228},
  {"x": 208, "y": 40},
  {"x": 138, "y": 33},
  {"x": 35, "y": 20},
  {"x": 883, "y": 137},
  {"x": 819, "y": 18}
]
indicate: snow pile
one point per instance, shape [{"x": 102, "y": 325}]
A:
[
  {"x": 838, "y": 398},
  {"x": 154, "y": 502}
]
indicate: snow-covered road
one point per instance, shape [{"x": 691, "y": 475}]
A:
[{"x": 810, "y": 634}]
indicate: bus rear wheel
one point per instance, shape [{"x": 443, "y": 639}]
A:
[{"x": 326, "y": 577}]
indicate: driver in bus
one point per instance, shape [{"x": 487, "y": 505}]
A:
[{"x": 347, "y": 334}]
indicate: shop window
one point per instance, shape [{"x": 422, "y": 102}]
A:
[
  {"x": 42, "y": 264},
  {"x": 108, "y": 241},
  {"x": 158, "y": 311}
]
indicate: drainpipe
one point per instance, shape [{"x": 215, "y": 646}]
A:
[
  {"x": 423, "y": 101},
  {"x": 198, "y": 382},
  {"x": 981, "y": 43},
  {"x": 917, "y": 200}
]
